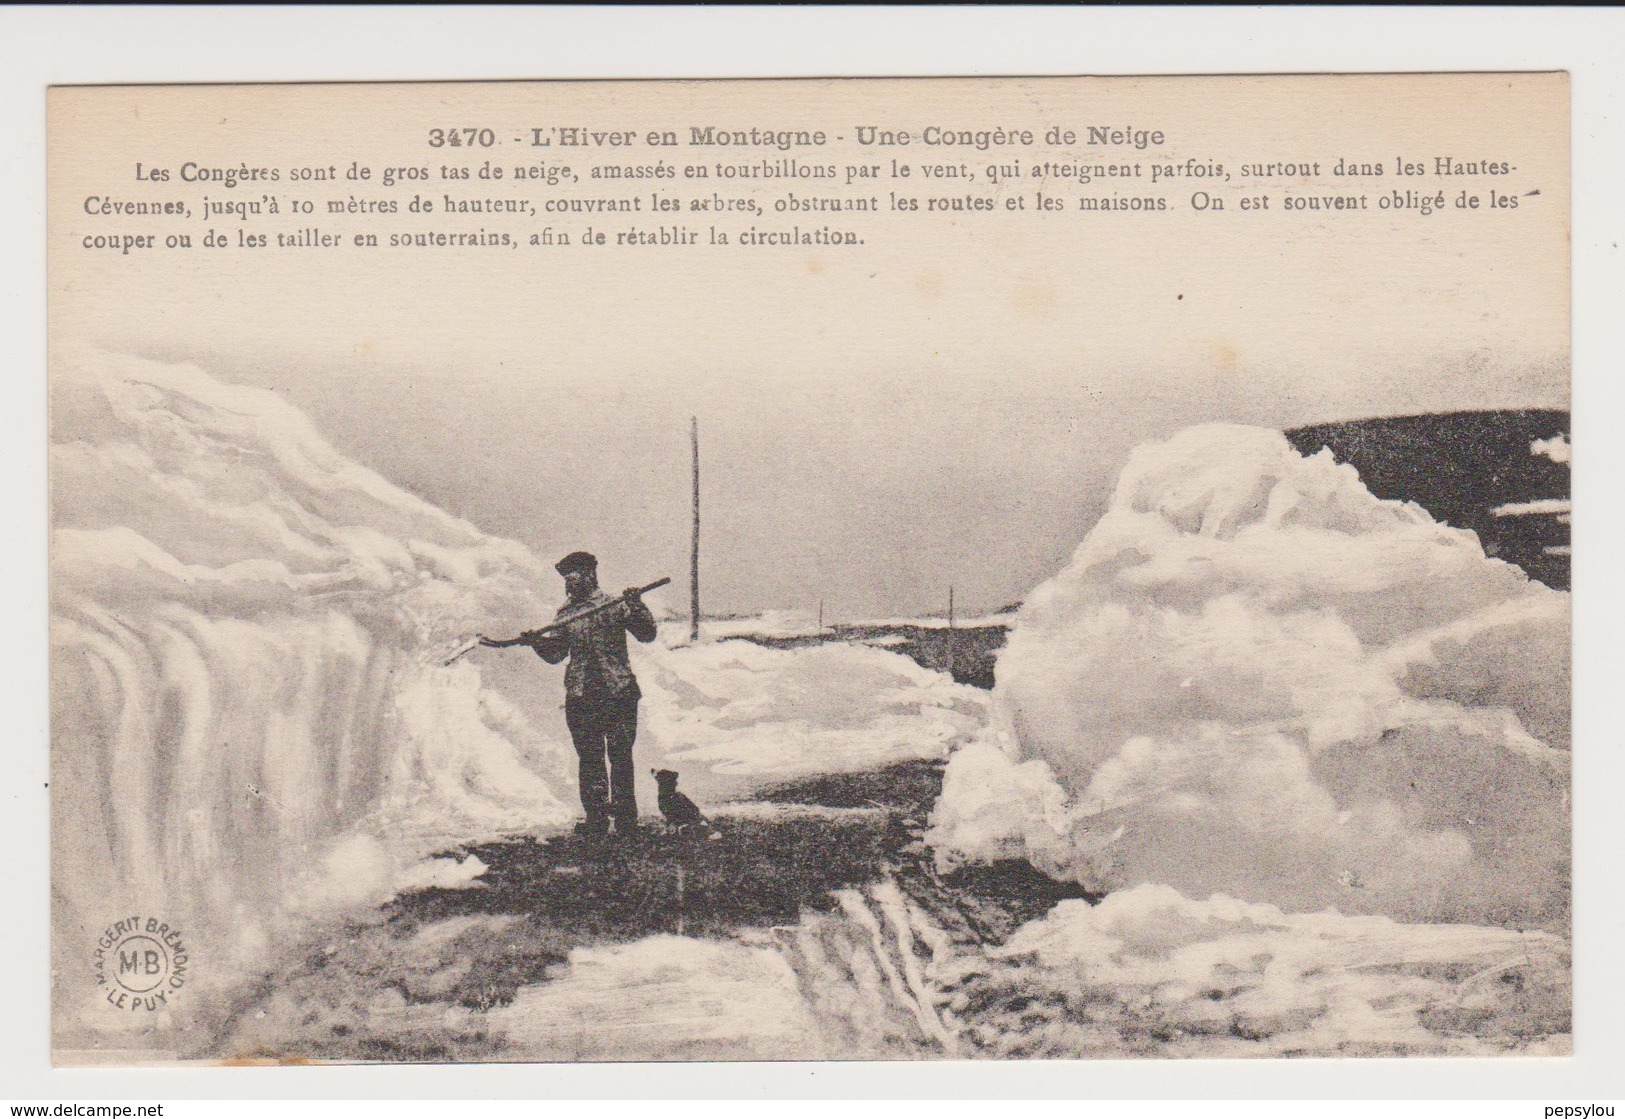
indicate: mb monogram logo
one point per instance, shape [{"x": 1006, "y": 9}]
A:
[{"x": 140, "y": 963}]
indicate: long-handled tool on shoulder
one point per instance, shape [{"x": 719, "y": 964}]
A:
[{"x": 530, "y": 637}]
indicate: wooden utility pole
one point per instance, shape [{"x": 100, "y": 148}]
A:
[{"x": 694, "y": 551}]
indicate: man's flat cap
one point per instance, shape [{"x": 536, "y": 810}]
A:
[{"x": 577, "y": 561}]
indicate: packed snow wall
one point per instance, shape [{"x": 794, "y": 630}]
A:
[
  {"x": 1254, "y": 678},
  {"x": 250, "y": 717}
]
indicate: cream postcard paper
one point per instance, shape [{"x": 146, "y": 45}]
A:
[{"x": 876, "y": 569}]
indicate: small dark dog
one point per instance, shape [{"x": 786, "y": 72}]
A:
[{"x": 682, "y": 815}]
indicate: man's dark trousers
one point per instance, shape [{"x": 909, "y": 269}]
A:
[{"x": 604, "y": 728}]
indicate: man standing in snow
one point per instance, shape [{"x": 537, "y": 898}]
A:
[{"x": 601, "y": 694}]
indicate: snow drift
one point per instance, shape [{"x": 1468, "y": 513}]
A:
[
  {"x": 1256, "y": 679},
  {"x": 249, "y": 713},
  {"x": 750, "y": 712},
  {"x": 1150, "y": 973}
]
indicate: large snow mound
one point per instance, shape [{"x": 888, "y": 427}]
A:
[
  {"x": 250, "y": 717},
  {"x": 1150, "y": 972},
  {"x": 1255, "y": 678}
]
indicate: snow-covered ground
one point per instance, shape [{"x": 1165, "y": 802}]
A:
[
  {"x": 769, "y": 623},
  {"x": 1254, "y": 682},
  {"x": 1151, "y": 972},
  {"x": 782, "y": 624},
  {"x": 733, "y": 708}
]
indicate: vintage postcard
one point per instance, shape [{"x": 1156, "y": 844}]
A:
[{"x": 804, "y": 570}]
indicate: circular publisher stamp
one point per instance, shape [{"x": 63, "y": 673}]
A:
[{"x": 141, "y": 963}]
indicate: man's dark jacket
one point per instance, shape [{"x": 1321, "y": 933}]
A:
[{"x": 599, "y": 667}]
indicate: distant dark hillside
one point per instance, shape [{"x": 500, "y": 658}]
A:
[{"x": 1461, "y": 467}]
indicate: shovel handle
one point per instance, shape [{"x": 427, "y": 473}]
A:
[{"x": 529, "y": 637}]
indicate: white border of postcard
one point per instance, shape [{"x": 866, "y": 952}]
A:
[{"x": 41, "y": 46}]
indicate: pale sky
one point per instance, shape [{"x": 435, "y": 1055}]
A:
[{"x": 948, "y": 403}]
